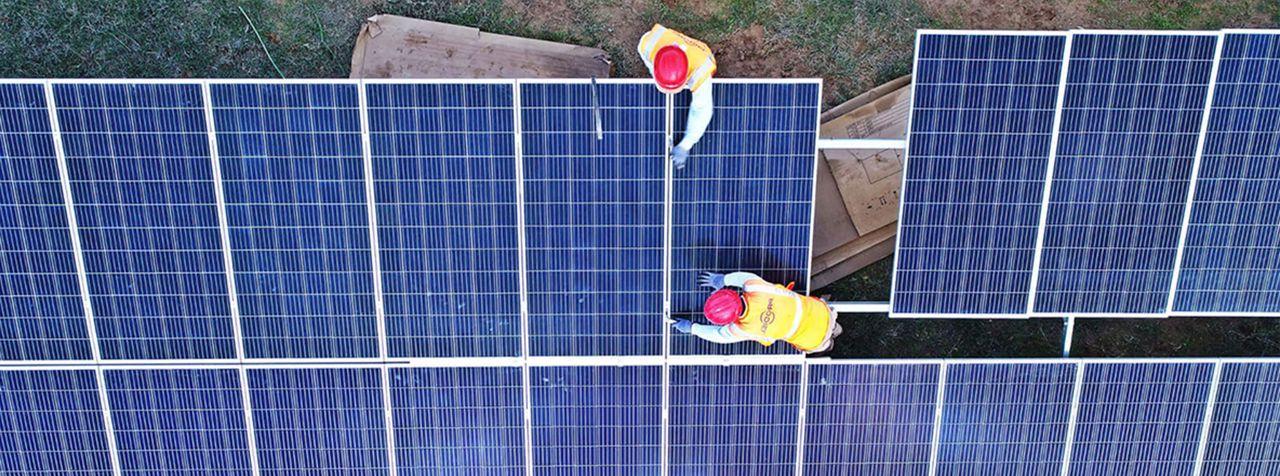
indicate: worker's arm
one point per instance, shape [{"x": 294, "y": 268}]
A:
[
  {"x": 717, "y": 334},
  {"x": 717, "y": 281},
  {"x": 700, "y": 111}
]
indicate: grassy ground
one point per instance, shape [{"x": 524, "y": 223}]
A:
[{"x": 852, "y": 45}]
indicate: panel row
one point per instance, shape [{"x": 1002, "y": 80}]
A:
[
  {"x": 875, "y": 419},
  {"x": 1091, "y": 174},
  {"x": 178, "y": 211}
]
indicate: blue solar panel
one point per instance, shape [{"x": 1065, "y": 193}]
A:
[
  {"x": 293, "y": 173},
  {"x": 870, "y": 419},
  {"x": 1232, "y": 249},
  {"x": 51, "y": 423},
  {"x": 458, "y": 420},
  {"x": 1245, "y": 435},
  {"x": 981, "y": 133},
  {"x": 1130, "y": 124},
  {"x": 175, "y": 421},
  {"x": 1005, "y": 418},
  {"x": 138, "y": 161},
  {"x": 744, "y": 202},
  {"x": 308, "y": 421},
  {"x": 1140, "y": 418},
  {"x": 596, "y": 420},
  {"x": 733, "y": 420},
  {"x": 444, "y": 178},
  {"x": 41, "y": 316},
  {"x": 594, "y": 217}
]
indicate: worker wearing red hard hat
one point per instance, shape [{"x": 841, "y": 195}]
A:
[
  {"x": 745, "y": 307},
  {"x": 678, "y": 62}
]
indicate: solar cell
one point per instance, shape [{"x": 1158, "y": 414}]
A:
[
  {"x": 41, "y": 315},
  {"x": 594, "y": 216},
  {"x": 141, "y": 177},
  {"x": 178, "y": 421},
  {"x": 734, "y": 419},
  {"x": 596, "y": 420},
  {"x": 1231, "y": 250},
  {"x": 312, "y": 420},
  {"x": 444, "y": 174},
  {"x": 293, "y": 175},
  {"x": 51, "y": 423},
  {"x": 1130, "y": 125},
  {"x": 1244, "y": 437},
  {"x": 1140, "y": 418},
  {"x": 981, "y": 135},
  {"x": 744, "y": 201},
  {"x": 870, "y": 419},
  {"x": 1003, "y": 419},
  {"x": 458, "y": 420}
]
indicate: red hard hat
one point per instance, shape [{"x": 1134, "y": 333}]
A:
[
  {"x": 723, "y": 307},
  {"x": 670, "y": 68}
]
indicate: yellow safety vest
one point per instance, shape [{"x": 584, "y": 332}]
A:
[
  {"x": 702, "y": 64},
  {"x": 776, "y": 313}
]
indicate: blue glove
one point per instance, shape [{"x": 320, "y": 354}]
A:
[
  {"x": 683, "y": 325},
  {"x": 679, "y": 156},
  {"x": 711, "y": 280}
]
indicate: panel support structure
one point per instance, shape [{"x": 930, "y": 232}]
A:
[
  {"x": 371, "y": 206},
  {"x": 107, "y": 424},
  {"x": 1048, "y": 175},
  {"x": 1069, "y": 444},
  {"x": 800, "y": 416},
  {"x": 1208, "y": 409},
  {"x": 939, "y": 401},
  {"x": 224, "y": 233},
  {"x": 522, "y": 255},
  {"x": 251, "y": 438},
  {"x": 668, "y": 225}
]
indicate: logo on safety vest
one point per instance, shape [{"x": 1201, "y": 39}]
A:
[{"x": 767, "y": 317}]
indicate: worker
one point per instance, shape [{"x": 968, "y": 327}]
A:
[
  {"x": 678, "y": 62},
  {"x": 744, "y": 307}
]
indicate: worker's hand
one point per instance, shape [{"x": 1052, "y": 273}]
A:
[
  {"x": 711, "y": 280},
  {"x": 679, "y": 156},
  {"x": 685, "y": 326}
]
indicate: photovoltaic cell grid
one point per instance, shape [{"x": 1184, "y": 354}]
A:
[
  {"x": 444, "y": 174},
  {"x": 51, "y": 423},
  {"x": 41, "y": 315},
  {"x": 1005, "y": 418},
  {"x": 744, "y": 201},
  {"x": 308, "y": 421},
  {"x": 981, "y": 136},
  {"x": 594, "y": 217},
  {"x": 1232, "y": 247},
  {"x": 1139, "y": 418},
  {"x": 458, "y": 420},
  {"x": 596, "y": 420},
  {"x": 1130, "y": 124},
  {"x": 870, "y": 419},
  {"x": 178, "y": 421},
  {"x": 293, "y": 173},
  {"x": 141, "y": 178},
  {"x": 731, "y": 420},
  {"x": 1244, "y": 437}
]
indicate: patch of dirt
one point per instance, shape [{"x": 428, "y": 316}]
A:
[
  {"x": 753, "y": 52},
  {"x": 1011, "y": 14}
]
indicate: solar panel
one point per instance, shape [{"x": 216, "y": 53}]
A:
[
  {"x": 870, "y": 419},
  {"x": 141, "y": 177},
  {"x": 594, "y": 217},
  {"x": 458, "y": 420},
  {"x": 173, "y": 421},
  {"x": 1244, "y": 437},
  {"x": 596, "y": 420},
  {"x": 981, "y": 135},
  {"x": 1129, "y": 132},
  {"x": 734, "y": 419},
  {"x": 309, "y": 420},
  {"x": 744, "y": 201},
  {"x": 1232, "y": 249},
  {"x": 1140, "y": 418},
  {"x": 41, "y": 315},
  {"x": 293, "y": 174},
  {"x": 1005, "y": 418},
  {"x": 444, "y": 176},
  {"x": 51, "y": 423}
]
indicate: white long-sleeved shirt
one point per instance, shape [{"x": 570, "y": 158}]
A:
[
  {"x": 701, "y": 109},
  {"x": 724, "y": 334}
]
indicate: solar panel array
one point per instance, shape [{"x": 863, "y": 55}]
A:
[{"x": 1090, "y": 173}]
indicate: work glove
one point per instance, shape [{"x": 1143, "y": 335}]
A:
[
  {"x": 685, "y": 326},
  {"x": 679, "y": 156},
  {"x": 711, "y": 280}
]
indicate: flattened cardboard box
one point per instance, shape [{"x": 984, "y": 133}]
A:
[{"x": 869, "y": 180}]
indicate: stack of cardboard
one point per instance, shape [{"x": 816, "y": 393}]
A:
[{"x": 857, "y": 195}]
